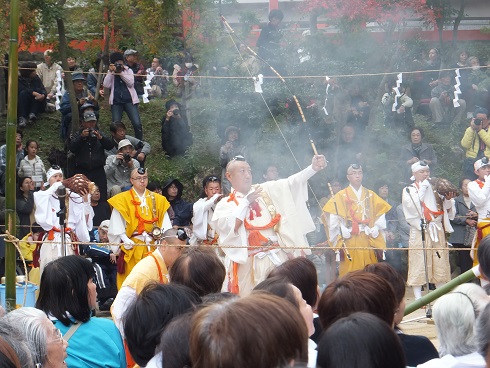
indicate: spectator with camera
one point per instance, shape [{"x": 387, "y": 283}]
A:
[
  {"x": 123, "y": 97},
  {"x": 476, "y": 141},
  {"x": 88, "y": 146},
  {"x": 131, "y": 60},
  {"x": 441, "y": 104},
  {"x": 176, "y": 133},
  {"x": 159, "y": 81},
  {"x": 118, "y": 168},
  {"x": 82, "y": 95},
  {"x": 141, "y": 148}
]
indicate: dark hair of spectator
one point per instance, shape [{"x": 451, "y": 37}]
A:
[
  {"x": 116, "y": 56},
  {"x": 357, "y": 291},
  {"x": 218, "y": 297},
  {"x": 259, "y": 330},
  {"x": 276, "y": 13},
  {"x": 64, "y": 292},
  {"x": 153, "y": 185},
  {"x": 422, "y": 135},
  {"x": 27, "y": 145},
  {"x": 484, "y": 256},
  {"x": 462, "y": 180},
  {"x": 20, "y": 181},
  {"x": 200, "y": 269},
  {"x": 391, "y": 275},
  {"x": 148, "y": 316},
  {"x": 360, "y": 340},
  {"x": 301, "y": 272},
  {"x": 27, "y": 68},
  {"x": 116, "y": 125},
  {"x": 279, "y": 287},
  {"x": 20, "y": 132},
  {"x": 174, "y": 343}
]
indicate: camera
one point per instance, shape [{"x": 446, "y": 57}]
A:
[
  {"x": 477, "y": 122},
  {"x": 119, "y": 68},
  {"x": 91, "y": 133},
  {"x": 127, "y": 157},
  {"x": 176, "y": 112}
]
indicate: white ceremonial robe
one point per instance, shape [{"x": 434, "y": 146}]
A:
[
  {"x": 289, "y": 197},
  {"x": 203, "y": 211},
  {"x": 437, "y": 261},
  {"x": 47, "y": 207}
]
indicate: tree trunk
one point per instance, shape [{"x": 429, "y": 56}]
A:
[
  {"x": 457, "y": 21},
  {"x": 75, "y": 120}
]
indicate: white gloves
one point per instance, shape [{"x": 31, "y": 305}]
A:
[
  {"x": 128, "y": 243},
  {"x": 423, "y": 188},
  {"x": 374, "y": 231},
  {"x": 345, "y": 232}
]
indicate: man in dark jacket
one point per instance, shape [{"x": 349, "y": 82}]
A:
[
  {"x": 176, "y": 134},
  {"x": 32, "y": 94},
  {"x": 88, "y": 146},
  {"x": 180, "y": 211}
]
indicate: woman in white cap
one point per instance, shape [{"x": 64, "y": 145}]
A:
[{"x": 79, "y": 215}]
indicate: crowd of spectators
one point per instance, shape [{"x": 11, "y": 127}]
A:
[{"x": 361, "y": 311}]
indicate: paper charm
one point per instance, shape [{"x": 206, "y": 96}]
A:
[
  {"x": 399, "y": 81},
  {"x": 327, "y": 78},
  {"x": 147, "y": 87},
  {"x": 457, "y": 90},
  {"x": 258, "y": 83},
  {"x": 59, "y": 93}
]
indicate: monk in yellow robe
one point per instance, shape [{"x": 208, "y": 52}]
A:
[
  {"x": 135, "y": 213},
  {"x": 357, "y": 216}
]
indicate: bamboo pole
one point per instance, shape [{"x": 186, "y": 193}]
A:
[
  {"x": 446, "y": 288},
  {"x": 10, "y": 170}
]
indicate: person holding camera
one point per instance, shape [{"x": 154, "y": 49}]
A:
[
  {"x": 118, "y": 168},
  {"x": 176, "y": 133},
  {"x": 123, "y": 97},
  {"x": 88, "y": 147},
  {"x": 441, "y": 104},
  {"x": 476, "y": 141},
  {"x": 141, "y": 148}
]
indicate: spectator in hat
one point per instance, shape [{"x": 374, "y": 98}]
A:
[
  {"x": 47, "y": 72},
  {"x": 83, "y": 96},
  {"x": 441, "y": 104},
  {"x": 141, "y": 148},
  {"x": 88, "y": 146},
  {"x": 123, "y": 97},
  {"x": 176, "y": 133},
  {"x": 231, "y": 148},
  {"x": 118, "y": 168},
  {"x": 182, "y": 211},
  {"x": 476, "y": 141},
  {"x": 131, "y": 57},
  {"x": 31, "y": 95}
]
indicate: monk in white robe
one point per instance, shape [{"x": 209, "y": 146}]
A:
[
  {"x": 79, "y": 219},
  {"x": 257, "y": 225},
  {"x": 420, "y": 200}
]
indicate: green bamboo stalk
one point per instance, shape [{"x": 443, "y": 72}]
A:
[
  {"x": 10, "y": 171},
  {"x": 446, "y": 288}
]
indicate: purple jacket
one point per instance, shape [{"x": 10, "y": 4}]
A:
[{"x": 128, "y": 78}]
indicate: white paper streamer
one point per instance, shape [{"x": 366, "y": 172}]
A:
[
  {"x": 457, "y": 90},
  {"x": 147, "y": 86},
  {"x": 59, "y": 93},
  {"x": 399, "y": 81},
  {"x": 327, "y": 78},
  {"x": 258, "y": 83}
]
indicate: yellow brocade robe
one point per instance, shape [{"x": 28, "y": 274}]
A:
[
  {"x": 344, "y": 209},
  {"x": 123, "y": 203}
]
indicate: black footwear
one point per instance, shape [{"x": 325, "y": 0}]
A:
[{"x": 106, "y": 305}]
